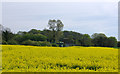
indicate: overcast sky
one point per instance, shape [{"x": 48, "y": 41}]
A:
[{"x": 83, "y": 17}]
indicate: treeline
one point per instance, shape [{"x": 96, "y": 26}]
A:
[
  {"x": 67, "y": 38},
  {"x": 54, "y": 36}
]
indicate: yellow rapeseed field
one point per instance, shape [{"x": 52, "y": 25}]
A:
[{"x": 18, "y": 58}]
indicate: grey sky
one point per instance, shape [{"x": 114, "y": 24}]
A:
[{"x": 83, "y": 17}]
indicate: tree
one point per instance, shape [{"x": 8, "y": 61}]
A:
[
  {"x": 48, "y": 34},
  {"x": 99, "y": 39},
  {"x": 37, "y": 37},
  {"x": 56, "y": 27},
  {"x": 118, "y": 44},
  {"x": 34, "y": 37},
  {"x": 86, "y": 40},
  {"x": 34, "y": 31},
  {"x": 71, "y": 37},
  {"x": 21, "y": 32},
  {"x": 95, "y": 35},
  {"x": 112, "y": 42},
  {"x": 7, "y": 34}
]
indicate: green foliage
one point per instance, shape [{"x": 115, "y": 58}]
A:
[
  {"x": 118, "y": 44},
  {"x": 7, "y": 35},
  {"x": 56, "y": 35},
  {"x": 55, "y": 45},
  {"x": 48, "y": 34},
  {"x": 112, "y": 42},
  {"x": 19, "y": 38},
  {"x": 86, "y": 40},
  {"x": 4, "y": 42},
  {"x": 12, "y": 42},
  {"x": 34, "y": 31},
  {"x": 56, "y": 26},
  {"x": 104, "y": 41},
  {"x": 99, "y": 39},
  {"x": 95, "y": 35},
  {"x": 44, "y": 43},
  {"x": 37, "y": 37},
  {"x": 36, "y": 43},
  {"x": 71, "y": 37},
  {"x": 33, "y": 37},
  {"x": 29, "y": 42}
]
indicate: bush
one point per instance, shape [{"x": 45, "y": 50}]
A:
[
  {"x": 44, "y": 43},
  {"x": 4, "y": 42},
  {"x": 55, "y": 45},
  {"x": 36, "y": 43},
  {"x": 28, "y": 37},
  {"x": 38, "y": 37},
  {"x": 12, "y": 42},
  {"x": 29, "y": 42}
]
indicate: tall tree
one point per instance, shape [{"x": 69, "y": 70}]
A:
[{"x": 56, "y": 26}]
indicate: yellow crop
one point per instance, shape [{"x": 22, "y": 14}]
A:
[{"x": 17, "y": 58}]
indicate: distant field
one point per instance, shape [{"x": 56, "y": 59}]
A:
[{"x": 18, "y": 58}]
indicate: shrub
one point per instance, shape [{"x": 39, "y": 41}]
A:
[
  {"x": 12, "y": 42},
  {"x": 55, "y": 45},
  {"x": 44, "y": 43},
  {"x": 29, "y": 42},
  {"x": 36, "y": 43},
  {"x": 4, "y": 42}
]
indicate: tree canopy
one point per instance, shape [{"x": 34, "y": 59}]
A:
[{"x": 54, "y": 36}]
